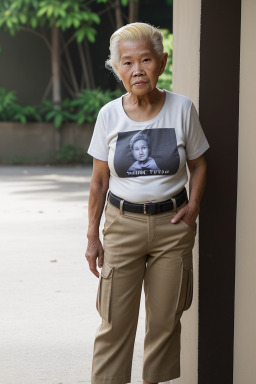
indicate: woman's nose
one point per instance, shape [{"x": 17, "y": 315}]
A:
[{"x": 138, "y": 70}]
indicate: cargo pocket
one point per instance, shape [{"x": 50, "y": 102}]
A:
[
  {"x": 186, "y": 291},
  {"x": 103, "y": 299}
]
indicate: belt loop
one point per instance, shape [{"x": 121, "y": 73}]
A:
[
  {"x": 174, "y": 204},
  {"x": 122, "y": 207}
]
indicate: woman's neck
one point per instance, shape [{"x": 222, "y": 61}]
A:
[
  {"x": 145, "y": 107},
  {"x": 148, "y": 99}
]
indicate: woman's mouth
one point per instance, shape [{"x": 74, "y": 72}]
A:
[{"x": 139, "y": 83}]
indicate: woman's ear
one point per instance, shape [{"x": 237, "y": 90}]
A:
[{"x": 163, "y": 62}]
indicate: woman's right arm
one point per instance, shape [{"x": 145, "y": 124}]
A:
[{"x": 98, "y": 189}]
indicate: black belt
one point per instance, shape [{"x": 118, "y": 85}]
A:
[{"x": 149, "y": 208}]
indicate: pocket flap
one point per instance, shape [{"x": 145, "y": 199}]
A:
[{"x": 106, "y": 270}]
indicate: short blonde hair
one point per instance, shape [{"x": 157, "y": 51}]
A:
[{"x": 131, "y": 32}]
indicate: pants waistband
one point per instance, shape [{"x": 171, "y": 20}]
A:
[{"x": 149, "y": 208}]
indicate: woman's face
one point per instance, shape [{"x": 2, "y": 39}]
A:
[
  {"x": 140, "y": 150},
  {"x": 139, "y": 66}
]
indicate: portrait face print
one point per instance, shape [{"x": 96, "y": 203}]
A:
[
  {"x": 140, "y": 150},
  {"x": 148, "y": 152}
]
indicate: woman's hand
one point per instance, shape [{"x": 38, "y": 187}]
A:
[
  {"x": 188, "y": 214},
  {"x": 94, "y": 250},
  {"x": 97, "y": 197}
]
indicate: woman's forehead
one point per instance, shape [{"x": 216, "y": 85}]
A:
[{"x": 130, "y": 48}]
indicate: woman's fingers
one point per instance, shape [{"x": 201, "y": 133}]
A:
[
  {"x": 188, "y": 214},
  {"x": 94, "y": 250},
  {"x": 100, "y": 257},
  {"x": 93, "y": 269},
  {"x": 178, "y": 216}
]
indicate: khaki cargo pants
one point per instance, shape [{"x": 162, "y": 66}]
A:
[{"x": 141, "y": 248}]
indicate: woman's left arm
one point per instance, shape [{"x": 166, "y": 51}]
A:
[{"x": 189, "y": 213}]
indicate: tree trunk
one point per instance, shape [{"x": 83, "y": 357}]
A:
[
  {"x": 119, "y": 17},
  {"x": 84, "y": 66},
  {"x": 133, "y": 11},
  {"x": 47, "y": 90},
  {"x": 56, "y": 84},
  {"x": 89, "y": 62}
]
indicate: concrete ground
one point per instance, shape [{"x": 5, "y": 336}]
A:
[{"x": 47, "y": 293}]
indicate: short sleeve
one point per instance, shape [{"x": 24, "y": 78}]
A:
[
  {"x": 98, "y": 147},
  {"x": 196, "y": 142}
]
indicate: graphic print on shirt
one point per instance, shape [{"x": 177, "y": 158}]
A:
[{"x": 146, "y": 153}]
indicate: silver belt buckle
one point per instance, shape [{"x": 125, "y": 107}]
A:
[{"x": 145, "y": 208}]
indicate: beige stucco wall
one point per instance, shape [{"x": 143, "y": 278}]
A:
[
  {"x": 245, "y": 302},
  {"x": 186, "y": 45},
  {"x": 36, "y": 142},
  {"x": 186, "y": 48}
]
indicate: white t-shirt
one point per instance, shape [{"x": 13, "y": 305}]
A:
[{"x": 147, "y": 160}]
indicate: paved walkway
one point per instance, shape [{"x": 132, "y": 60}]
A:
[{"x": 47, "y": 293}]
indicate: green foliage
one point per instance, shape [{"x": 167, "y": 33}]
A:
[
  {"x": 56, "y": 115},
  {"x": 7, "y": 101},
  {"x": 87, "y": 106},
  {"x": 10, "y": 109},
  {"x": 83, "y": 109},
  {"x": 65, "y": 14},
  {"x": 26, "y": 113},
  {"x": 124, "y": 2},
  {"x": 80, "y": 110},
  {"x": 165, "y": 80}
]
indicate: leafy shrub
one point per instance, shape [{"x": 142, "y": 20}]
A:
[
  {"x": 11, "y": 110},
  {"x": 165, "y": 80},
  {"x": 80, "y": 110},
  {"x": 7, "y": 101},
  {"x": 56, "y": 115},
  {"x": 90, "y": 102},
  {"x": 24, "y": 114}
]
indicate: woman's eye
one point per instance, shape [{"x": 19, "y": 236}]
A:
[
  {"x": 127, "y": 63},
  {"x": 146, "y": 59}
]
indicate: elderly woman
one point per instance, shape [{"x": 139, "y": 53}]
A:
[{"x": 150, "y": 224}]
